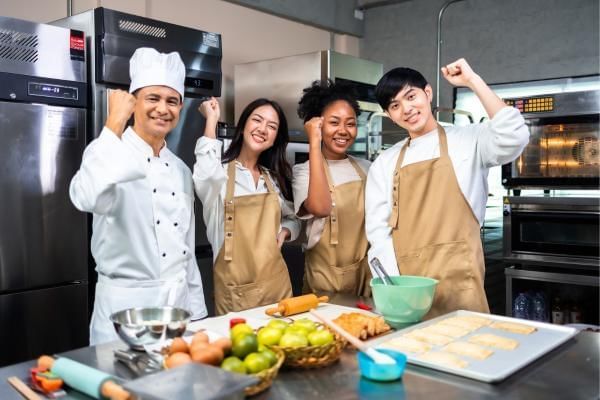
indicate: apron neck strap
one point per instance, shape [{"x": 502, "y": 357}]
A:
[
  {"x": 230, "y": 181},
  {"x": 443, "y": 140},
  {"x": 267, "y": 179}
]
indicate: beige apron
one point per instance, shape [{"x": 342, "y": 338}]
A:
[
  {"x": 338, "y": 262},
  {"x": 249, "y": 270},
  {"x": 436, "y": 234}
]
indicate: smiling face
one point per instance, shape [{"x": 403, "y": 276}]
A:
[
  {"x": 411, "y": 110},
  {"x": 339, "y": 129},
  {"x": 157, "y": 110},
  {"x": 260, "y": 129}
]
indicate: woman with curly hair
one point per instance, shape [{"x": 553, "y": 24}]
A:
[
  {"x": 247, "y": 205},
  {"x": 329, "y": 191}
]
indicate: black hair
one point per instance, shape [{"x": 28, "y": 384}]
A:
[
  {"x": 320, "y": 94},
  {"x": 394, "y": 81},
  {"x": 274, "y": 157}
]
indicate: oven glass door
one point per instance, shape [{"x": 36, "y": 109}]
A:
[
  {"x": 555, "y": 233},
  {"x": 562, "y": 152}
]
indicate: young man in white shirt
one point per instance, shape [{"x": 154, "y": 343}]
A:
[
  {"x": 426, "y": 196},
  {"x": 142, "y": 199}
]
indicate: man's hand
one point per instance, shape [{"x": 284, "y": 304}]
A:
[
  {"x": 459, "y": 73},
  {"x": 121, "y": 105},
  {"x": 282, "y": 236},
  {"x": 313, "y": 130}
]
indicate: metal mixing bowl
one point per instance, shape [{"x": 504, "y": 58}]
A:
[{"x": 145, "y": 326}]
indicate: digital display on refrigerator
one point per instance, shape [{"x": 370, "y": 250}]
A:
[{"x": 52, "y": 90}]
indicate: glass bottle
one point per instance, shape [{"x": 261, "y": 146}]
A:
[
  {"x": 522, "y": 306},
  {"x": 558, "y": 314}
]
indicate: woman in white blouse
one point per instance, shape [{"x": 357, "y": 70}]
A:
[
  {"x": 329, "y": 192},
  {"x": 247, "y": 205}
]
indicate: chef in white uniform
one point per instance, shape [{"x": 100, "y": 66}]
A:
[{"x": 142, "y": 199}]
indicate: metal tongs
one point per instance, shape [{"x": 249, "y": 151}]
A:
[
  {"x": 380, "y": 271},
  {"x": 138, "y": 364}
]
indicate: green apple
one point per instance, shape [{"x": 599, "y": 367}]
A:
[
  {"x": 269, "y": 336},
  {"x": 278, "y": 323},
  {"x": 320, "y": 337},
  {"x": 297, "y": 330},
  {"x": 291, "y": 339},
  {"x": 306, "y": 324},
  {"x": 234, "y": 364},
  {"x": 256, "y": 362},
  {"x": 240, "y": 329}
]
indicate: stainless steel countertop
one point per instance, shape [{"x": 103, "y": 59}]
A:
[{"x": 569, "y": 372}]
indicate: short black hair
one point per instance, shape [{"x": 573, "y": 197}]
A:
[
  {"x": 394, "y": 81},
  {"x": 320, "y": 94}
]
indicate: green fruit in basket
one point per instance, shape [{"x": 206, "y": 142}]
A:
[
  {"x": 240, "y": 329},
  {"x": 320, "y": 337},
  {"x": 305, "y": 323},
  {"x": 292, "y": 339},
  {"x": 269, "y": 336},
  {"x": 234, "y": 364},
  {"x": 244, "y": 344},
  {"x": 270, "y": 355},
  {"x": 278, "y": 323},
  {"x": 256, "y": 362},
  {"x": 297, "y": 330}
]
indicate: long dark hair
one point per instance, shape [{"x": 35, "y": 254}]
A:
[{"x": 274, "y": 157}]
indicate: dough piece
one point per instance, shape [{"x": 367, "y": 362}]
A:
[
  {"x": 445, "y": 359},
  {"x": 447, "y": 330},
  {"x": 499, "y": 342},
  {"x": 469, "y": 350},
  {"x": 461, "y": 323},
  {"x": 429, "y": 337},
  {"x": 513, "y": 327},
  {"x": 478, "y": 320},
  {"x": 406, "y": 344}
]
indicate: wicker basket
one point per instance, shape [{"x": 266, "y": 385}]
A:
[
  {"x": 266, "y": 376},
  {"x": 313, "y": 356}
]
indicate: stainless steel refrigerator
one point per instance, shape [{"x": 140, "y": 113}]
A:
[
  {"x": 43, "y": 238},
  {"x": 112, "y": 37}
]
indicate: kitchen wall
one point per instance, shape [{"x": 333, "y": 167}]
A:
[
  {"x": 504, "y": 41},
  {"x": 247, "y": 35}
]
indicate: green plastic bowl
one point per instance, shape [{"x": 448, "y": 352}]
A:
[{"x": 406, "y": 301}]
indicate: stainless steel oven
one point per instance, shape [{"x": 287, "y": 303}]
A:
[
  {"x": 551, "y": 248},
  {"x": 563, "y": 150},
  {"x": 559, "y": 231}
]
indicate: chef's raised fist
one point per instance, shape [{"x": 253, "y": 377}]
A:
[{"x": 121, "y": 105}]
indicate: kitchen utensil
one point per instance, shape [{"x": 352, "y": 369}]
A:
[
  {"x": 379, "y": 358},
  {"x": 296, "y": 305},
  {"x": 138, "y": 363},
  {"x": 146, "y": 326},
  {"x": 191, "y": 381},
  {"x": 381, "y": 272},
  {"x": 90, "y": 381},
  {"x": 23, "y": 389},
  {"x": 381, "y": 372},
  {"x": 406, "y": 301}
]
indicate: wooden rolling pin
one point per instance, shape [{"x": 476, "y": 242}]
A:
[
  {"x": 88, "y": 380},
  {"x": 297, "y": 305}
]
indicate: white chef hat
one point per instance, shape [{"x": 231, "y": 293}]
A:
[{"x": 148, "y": 67}]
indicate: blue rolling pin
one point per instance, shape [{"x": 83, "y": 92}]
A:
[{"x": 88, "y": 380}]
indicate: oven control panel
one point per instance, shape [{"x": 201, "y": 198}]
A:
[{"x": 537, "y": 104}]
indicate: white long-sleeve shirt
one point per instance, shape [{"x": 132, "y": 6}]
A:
[
  {"x": 342, "y": 172},
  {"x": 143, "y": 206},
  {"x": 473, "y": 149},
  {"x": 210, "y": 182}
]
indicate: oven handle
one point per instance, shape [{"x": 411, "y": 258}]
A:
[{"x": 578, "y": 212}]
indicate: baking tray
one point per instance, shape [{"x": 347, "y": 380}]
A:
[{"x": 502, "y": 363}]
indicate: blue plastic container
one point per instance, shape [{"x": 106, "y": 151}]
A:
[{"x": 382, "y": 372}]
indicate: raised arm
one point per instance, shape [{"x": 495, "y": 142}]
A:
[
  {"x": 459, "y": 73},
  {"x": 318, "y": 200},
  {"x": 107, "y": 161}
]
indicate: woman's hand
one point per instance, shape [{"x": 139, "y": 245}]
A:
[
  {"x": 282, "y": 236},
  {"x": 210, "y": 109},
  {"x": 313, "y": 130}
]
